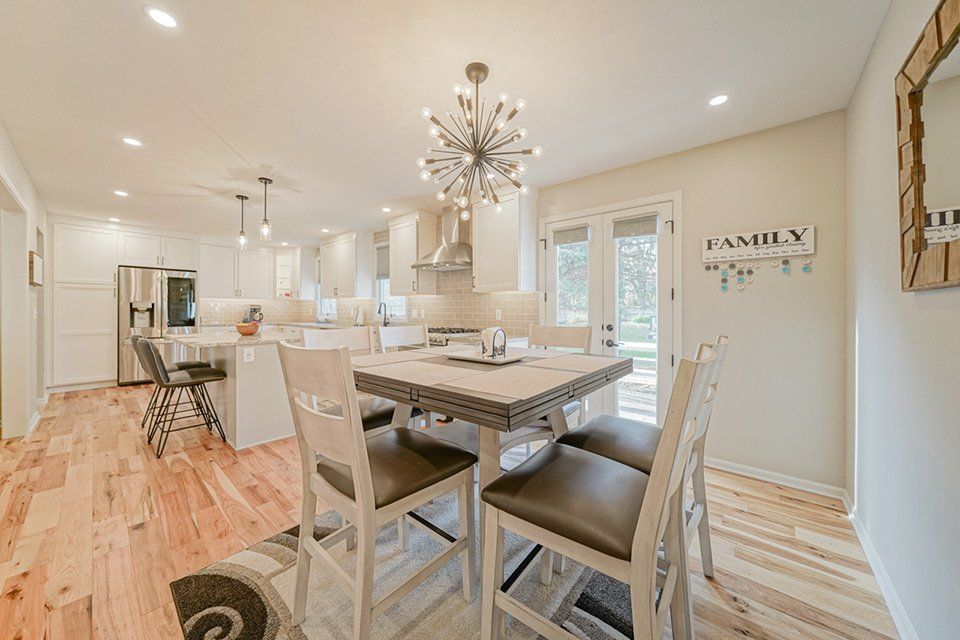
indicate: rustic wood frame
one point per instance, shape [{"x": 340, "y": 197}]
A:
[{"x": 921, "y": 266}]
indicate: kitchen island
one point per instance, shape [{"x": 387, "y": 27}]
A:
[{"x": 252, "y": 400}]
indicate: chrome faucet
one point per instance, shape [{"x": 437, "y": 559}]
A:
[{"x": 386, "y": 316}]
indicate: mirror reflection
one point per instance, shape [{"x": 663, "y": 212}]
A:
[{"x": 941, "y": 151}]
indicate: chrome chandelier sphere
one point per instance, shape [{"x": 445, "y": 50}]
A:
[{"x": 473, "y": 153}]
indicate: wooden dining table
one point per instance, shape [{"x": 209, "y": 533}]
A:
[{"x": 497, "y": 398}]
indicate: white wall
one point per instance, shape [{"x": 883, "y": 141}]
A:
[
  {"x": 17, "y": 181},
  {"x": 782, "y": 403},
  {"x": 905, "y": 409}
]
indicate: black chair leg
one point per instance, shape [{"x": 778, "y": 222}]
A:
[
  {"x": 166, "y": 428},
  {"x": 151, "y": 406},
  {"x": 211, "y": 410},
  {"x": 159, "y": 414}
]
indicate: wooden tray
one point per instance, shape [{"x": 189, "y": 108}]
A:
[{"x": 469, "y": 357}]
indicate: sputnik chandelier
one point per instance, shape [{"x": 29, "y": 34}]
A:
[{"x": 473, "y": 150}]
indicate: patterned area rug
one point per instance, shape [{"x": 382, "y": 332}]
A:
[{"x": 249, "y": 595}]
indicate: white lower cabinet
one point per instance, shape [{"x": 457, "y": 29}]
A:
[
  {"x": 216, "y": 271},
  {"x": 84, "y": 333}
]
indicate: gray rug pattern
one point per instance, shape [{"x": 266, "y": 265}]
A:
[{"x": 249, "y": 595}]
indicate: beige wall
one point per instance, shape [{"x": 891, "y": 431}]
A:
[
  {"x": 782, "y": 406},
  {"x": 905, "y": 409}
]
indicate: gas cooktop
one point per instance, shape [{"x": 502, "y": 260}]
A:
[{"x": 451, "y": 330}]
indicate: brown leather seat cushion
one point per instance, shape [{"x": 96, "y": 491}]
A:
[
  {"x": 187, "y": 377},
  {"x": 186, "y": 364},
  {"x": 402, "y": 462},
  {"x": 576, "y": 494},
  {"x": 374, "y": 412},
  {"x": 630, "y": 442}
]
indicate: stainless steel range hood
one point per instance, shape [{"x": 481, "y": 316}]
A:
[{"x": 451, "y": 255}]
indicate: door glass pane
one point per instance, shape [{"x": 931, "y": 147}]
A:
[
  {"x": 181, "y": 302},
  {"x": 573, "y": 283},
  {"x": 636, "y": 316}
]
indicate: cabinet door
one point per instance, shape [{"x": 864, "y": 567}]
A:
[
  {"x": 347, "y": 268},
  {"x": 216, "y": 271},
  {"x": 496, "y": 243},
  {"x": 84, "y": 254},
  {"x": 84, "y": 333},
  {"x": 256, "y": 274},
  {"x": 328, "y": 271},
  {"x": 178, "y": 254},
  {"x": 403, "y": 253},
  {"x": 140, "y": 249}
]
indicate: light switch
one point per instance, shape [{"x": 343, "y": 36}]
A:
[{"x": 248, "y": 354}]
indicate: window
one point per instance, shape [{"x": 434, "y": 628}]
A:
[
  {"x": 396, "y": 305},
  {"x": 326, "y": 307}
]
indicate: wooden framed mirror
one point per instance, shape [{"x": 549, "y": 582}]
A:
[{"x": 928, "y": 139}]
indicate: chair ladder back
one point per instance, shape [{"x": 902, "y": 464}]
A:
[
  {"x": 547, "y": 336},
  {"x": 391, "y": 337},
  {"x": 356, "y": 339},
  {"x": 703, "y": 420},
  {"x": 325, "y": 434}
]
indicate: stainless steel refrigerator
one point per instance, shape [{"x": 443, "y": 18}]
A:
[{"x": 155, "y": 304}]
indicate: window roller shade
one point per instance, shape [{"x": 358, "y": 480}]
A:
[
  {"x": 383, "y": 263},
  {"x": 571, "y": 235},
  {"x": 632, "y": 227}
]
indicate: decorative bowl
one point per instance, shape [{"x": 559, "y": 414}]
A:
[{"x": 248, "y": 328}]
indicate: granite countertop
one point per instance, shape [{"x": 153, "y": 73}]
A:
[
  {"x": 234, "y": 339},
  {"x": 306, "y": 325}
]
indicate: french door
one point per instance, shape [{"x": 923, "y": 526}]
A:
[{"x": 613, "y": 271}]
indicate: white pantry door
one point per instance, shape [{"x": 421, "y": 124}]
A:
[{"x": 614, "y": 272}]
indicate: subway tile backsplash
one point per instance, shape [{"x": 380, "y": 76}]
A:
[{"x": 214, "y": 311}]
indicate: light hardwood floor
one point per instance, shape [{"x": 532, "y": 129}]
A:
[{"x": 94, "y": 528}]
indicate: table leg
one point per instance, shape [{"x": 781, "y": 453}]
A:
[
  {"x": 489, "y": 440},
  {"x": 558, "y": 422}
]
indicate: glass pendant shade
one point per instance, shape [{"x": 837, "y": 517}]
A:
[
  {"x": 242, "y": 236},
  {"x": 265, "y": 229}
]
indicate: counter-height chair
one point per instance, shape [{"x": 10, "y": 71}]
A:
[
  {"x": 374, "y": 412},
  {"x": 635, "y": 444},
  {"x": 393, "y": 337},
  {"x": 176, "y": 366},
  {"x": 464, "y": 434},
  {"x": 603, "y": 514},
  {"x": 370, "y": 481},
  {"x": 173, "y": 385}
]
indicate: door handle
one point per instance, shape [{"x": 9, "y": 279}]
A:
[
  {"x": 608, "y": 327},
  {"x": 413, "y": 285},
  {"x": 611, "y": 343}
]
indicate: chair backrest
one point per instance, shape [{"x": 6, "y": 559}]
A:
[
  {"x": 691, "y": 391},
  {"x": 326, "y": 374},
  {"x": 150, "y": 360},
  {"x": 413, "y": 335},
  {"x": 544, "y": 335},
  {"x": 355, "y": 339},
  {"x": 720, "y": 348}
]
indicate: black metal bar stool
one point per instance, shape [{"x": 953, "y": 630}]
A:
[
  {"x": 171, "y": 386},
  {"x": 176, "y": 366}
]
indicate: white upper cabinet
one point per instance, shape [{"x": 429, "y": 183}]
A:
[
  {"x": 411, "y": 237},
  {"x": 505, "y": 245},
  {"x": 216, "y": 271},
  {"x": 346, "y": 266},
  {"x": 295, "y": 271},
  {"x": 256, "y": 273},
  {"x": 178, "y": 253},
  {"x": 140, "y": 249},
  {"x": 84, "y": 254}
]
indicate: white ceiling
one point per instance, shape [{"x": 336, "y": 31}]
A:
[{"x": 324, "y": 95}]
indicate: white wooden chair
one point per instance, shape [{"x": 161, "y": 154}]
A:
[
  {"x": 635, "y": 444},
  {"x": 606, "y": 515},
  {"x": 359, "y": 340},
  {"x": 369, "y": 481},
  {"x": 393, "y": 337}
]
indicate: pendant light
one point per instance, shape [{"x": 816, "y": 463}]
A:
[
  {"x": 265, "y": 230},
  {"x": 242, "y": 236}
]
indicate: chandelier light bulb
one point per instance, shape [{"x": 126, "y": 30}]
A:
[
  {"x": 465, "y": 215},
  {"x": 425, "y": 113},
  {"x": 434, "y": 132},
  {"x": 522, "y": 133},
  {"x": 514, "y": 175},
  {"x": 489, "y": 175},
  {"x": 499, "y": 207},
  {"x": 524, "y": 190},
  {"x": 422, "y": 162},
  {"x": 457, "y": 89},
  {"x": 521, "y": 104},
  {"x": 441, "y": 196},
  {"x": 467, "y": 158},
  {"x": 503, "y": 98},
  {"x": 501, "y": 123},
  {"x": 538, "y": 151},
  {"x": 522, "y": 168},
  {"x": 425, "y": 175},
  {"x": 467, "y": 91}
]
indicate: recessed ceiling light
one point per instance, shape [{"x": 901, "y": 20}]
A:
[
  {"x": 133, "y": 142},
  {"x": 161, "y": 17},
  {"x": 716, "y": 101},
  {"x": 386, "y": 209},
  {"x": 324, "y": 230},
  {"x": 122, "y": 194},
  {"x": 283, "y": 244},
  {"x": 114, "y": 219}
]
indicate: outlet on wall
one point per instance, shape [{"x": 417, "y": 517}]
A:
[
  {"x": 499, "y": 314},
  {"x": 248, "y": 354}
]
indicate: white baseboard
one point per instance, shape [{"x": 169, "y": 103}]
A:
[
  {"x": 897, "y": 611},
  {"x": 776, "y": 478},
  {"x": 85, "y": 386},
  {"x": 34, "y": 421}
]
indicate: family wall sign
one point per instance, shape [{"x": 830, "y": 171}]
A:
[{"x": 755, "y": 245}]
